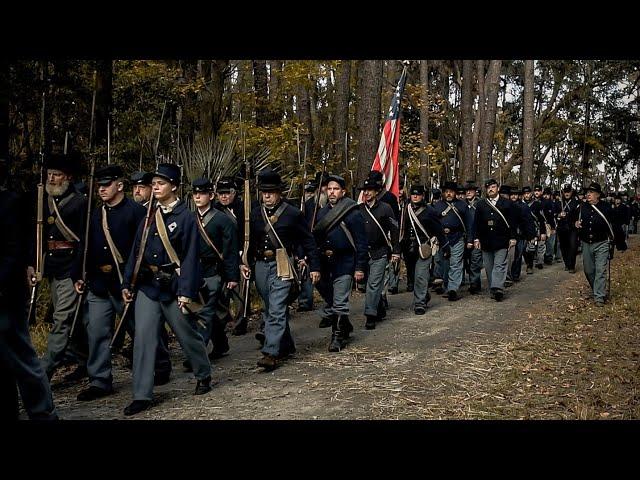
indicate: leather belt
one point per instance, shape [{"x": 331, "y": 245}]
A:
[
  {"x": 60, "y": 244},
  {"x": 105, "y": 268}
]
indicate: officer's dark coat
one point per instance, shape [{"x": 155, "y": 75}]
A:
[
  {"x": 594, "y": 229},
  {"x": 490, "y": 228}
]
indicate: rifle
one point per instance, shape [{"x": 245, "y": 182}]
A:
[
  {"x": 84, "y": 253},
  {"x": 117, "y": 335},
  {"x": 317, "y": 199},
  {"x": 39, "y": 214},
  {"x": 240, "y": 327}
]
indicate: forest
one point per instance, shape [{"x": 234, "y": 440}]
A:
[{"x": 520, "y": 121}]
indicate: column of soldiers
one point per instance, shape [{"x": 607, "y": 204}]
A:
[{"x": 180, "y": 268}]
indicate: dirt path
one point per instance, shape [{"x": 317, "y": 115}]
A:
[{"x": 384, "y": 373}]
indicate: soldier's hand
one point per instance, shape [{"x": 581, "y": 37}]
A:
[
  {"x": 469, "y": 245},
  {"x": 578, "y": 224},
  {"x": 359, "y": 276},
  {"x": 232, "y": 285},
  {"x": 302, "y": 263},
  {"x": 127, "y": 296},
  {"x": 315, "y": 277},
  {"x": 31, "y": 276},
  {"x": 395, "y": 258},
  {"x": 79, "y": 286},
  {"x": 245, "y": 272},
  {"x": 512, "y": 243},
  {"x": 476, "y": 244},
  {"x": 553, "y": 232},
  {"x": 543, "y": 237}
]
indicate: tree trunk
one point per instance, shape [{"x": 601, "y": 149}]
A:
[
  {"x": 425, "y": 165},
  {"x": 211, "y": 101},
  {"x": 526, "y": 170},
  {"x": 303, "y": 103},
  {"x": 104, "y": 100},
  {"x": 488, "y": 129},
  {"x": 479, "y": 116},
  {"x": 467, "y": 170},
  {"x": 369, "y": 93},
  {"x": 276, "y": 97},
  {"x": 261, "y": 92},
  {"x": 341, "y": 121},
  {"x": 588, "y": 171}
]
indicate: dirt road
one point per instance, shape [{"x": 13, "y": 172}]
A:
[{"x": 388, "y": 372}]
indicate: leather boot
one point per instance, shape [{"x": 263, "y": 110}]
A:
[
  {"x": 345, "y": 325},
  {"x": 327, "y": 321},
  {"x": 370, "y": 323},
  {"x": 336, "y": 338}
]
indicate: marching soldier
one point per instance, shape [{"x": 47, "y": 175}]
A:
[
  {"x": 494, "y": 233},
  {"x": 141, "y": 193},
  {"x": 341, "y": 239},
  {"x": 112, "y": 229},
  {"x": 277, "y": 230},
  {"x": 65, "y": 212},
  {"x": 381, "y": 229},
  {"x": 231, "y": 204},
  {"x": 141, "y": 187},
  {"x": 545, "y": 210},
  {"x": 595, "y": 232},
  {"x": 168, "y": 288},
  {"x": 534, "y": 249},
  {"x": 305, "y": 300},
  {"x": 566, "y": 228},
  {"x": 550, "y": 206},
  {"x": 421, "y": 226},
  {"x": 621, "y": 219},
  {"x": 473, "y": 255},
  {"x": 219, "y": 262},
  {"x": 456, "y": 220},
  {"x": 525, "y": 231},
  {"x": 18, "y": 360}
]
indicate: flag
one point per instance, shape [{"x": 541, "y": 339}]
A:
[{"x": 386, "y": 160}]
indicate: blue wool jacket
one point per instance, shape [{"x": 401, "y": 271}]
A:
[{"x": 183, "y": 235}]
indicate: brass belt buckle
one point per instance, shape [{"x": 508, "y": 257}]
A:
[
  {"x": 269, "y": 253},
  {"x": 105, "y": 268},
  {"x": 446, "y": 230},
  {"x": 328, "y": 253}
]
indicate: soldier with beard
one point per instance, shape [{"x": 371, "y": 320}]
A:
[
  {"x": 65, "y": 215},
  {"x": 342, "y": 242}
]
